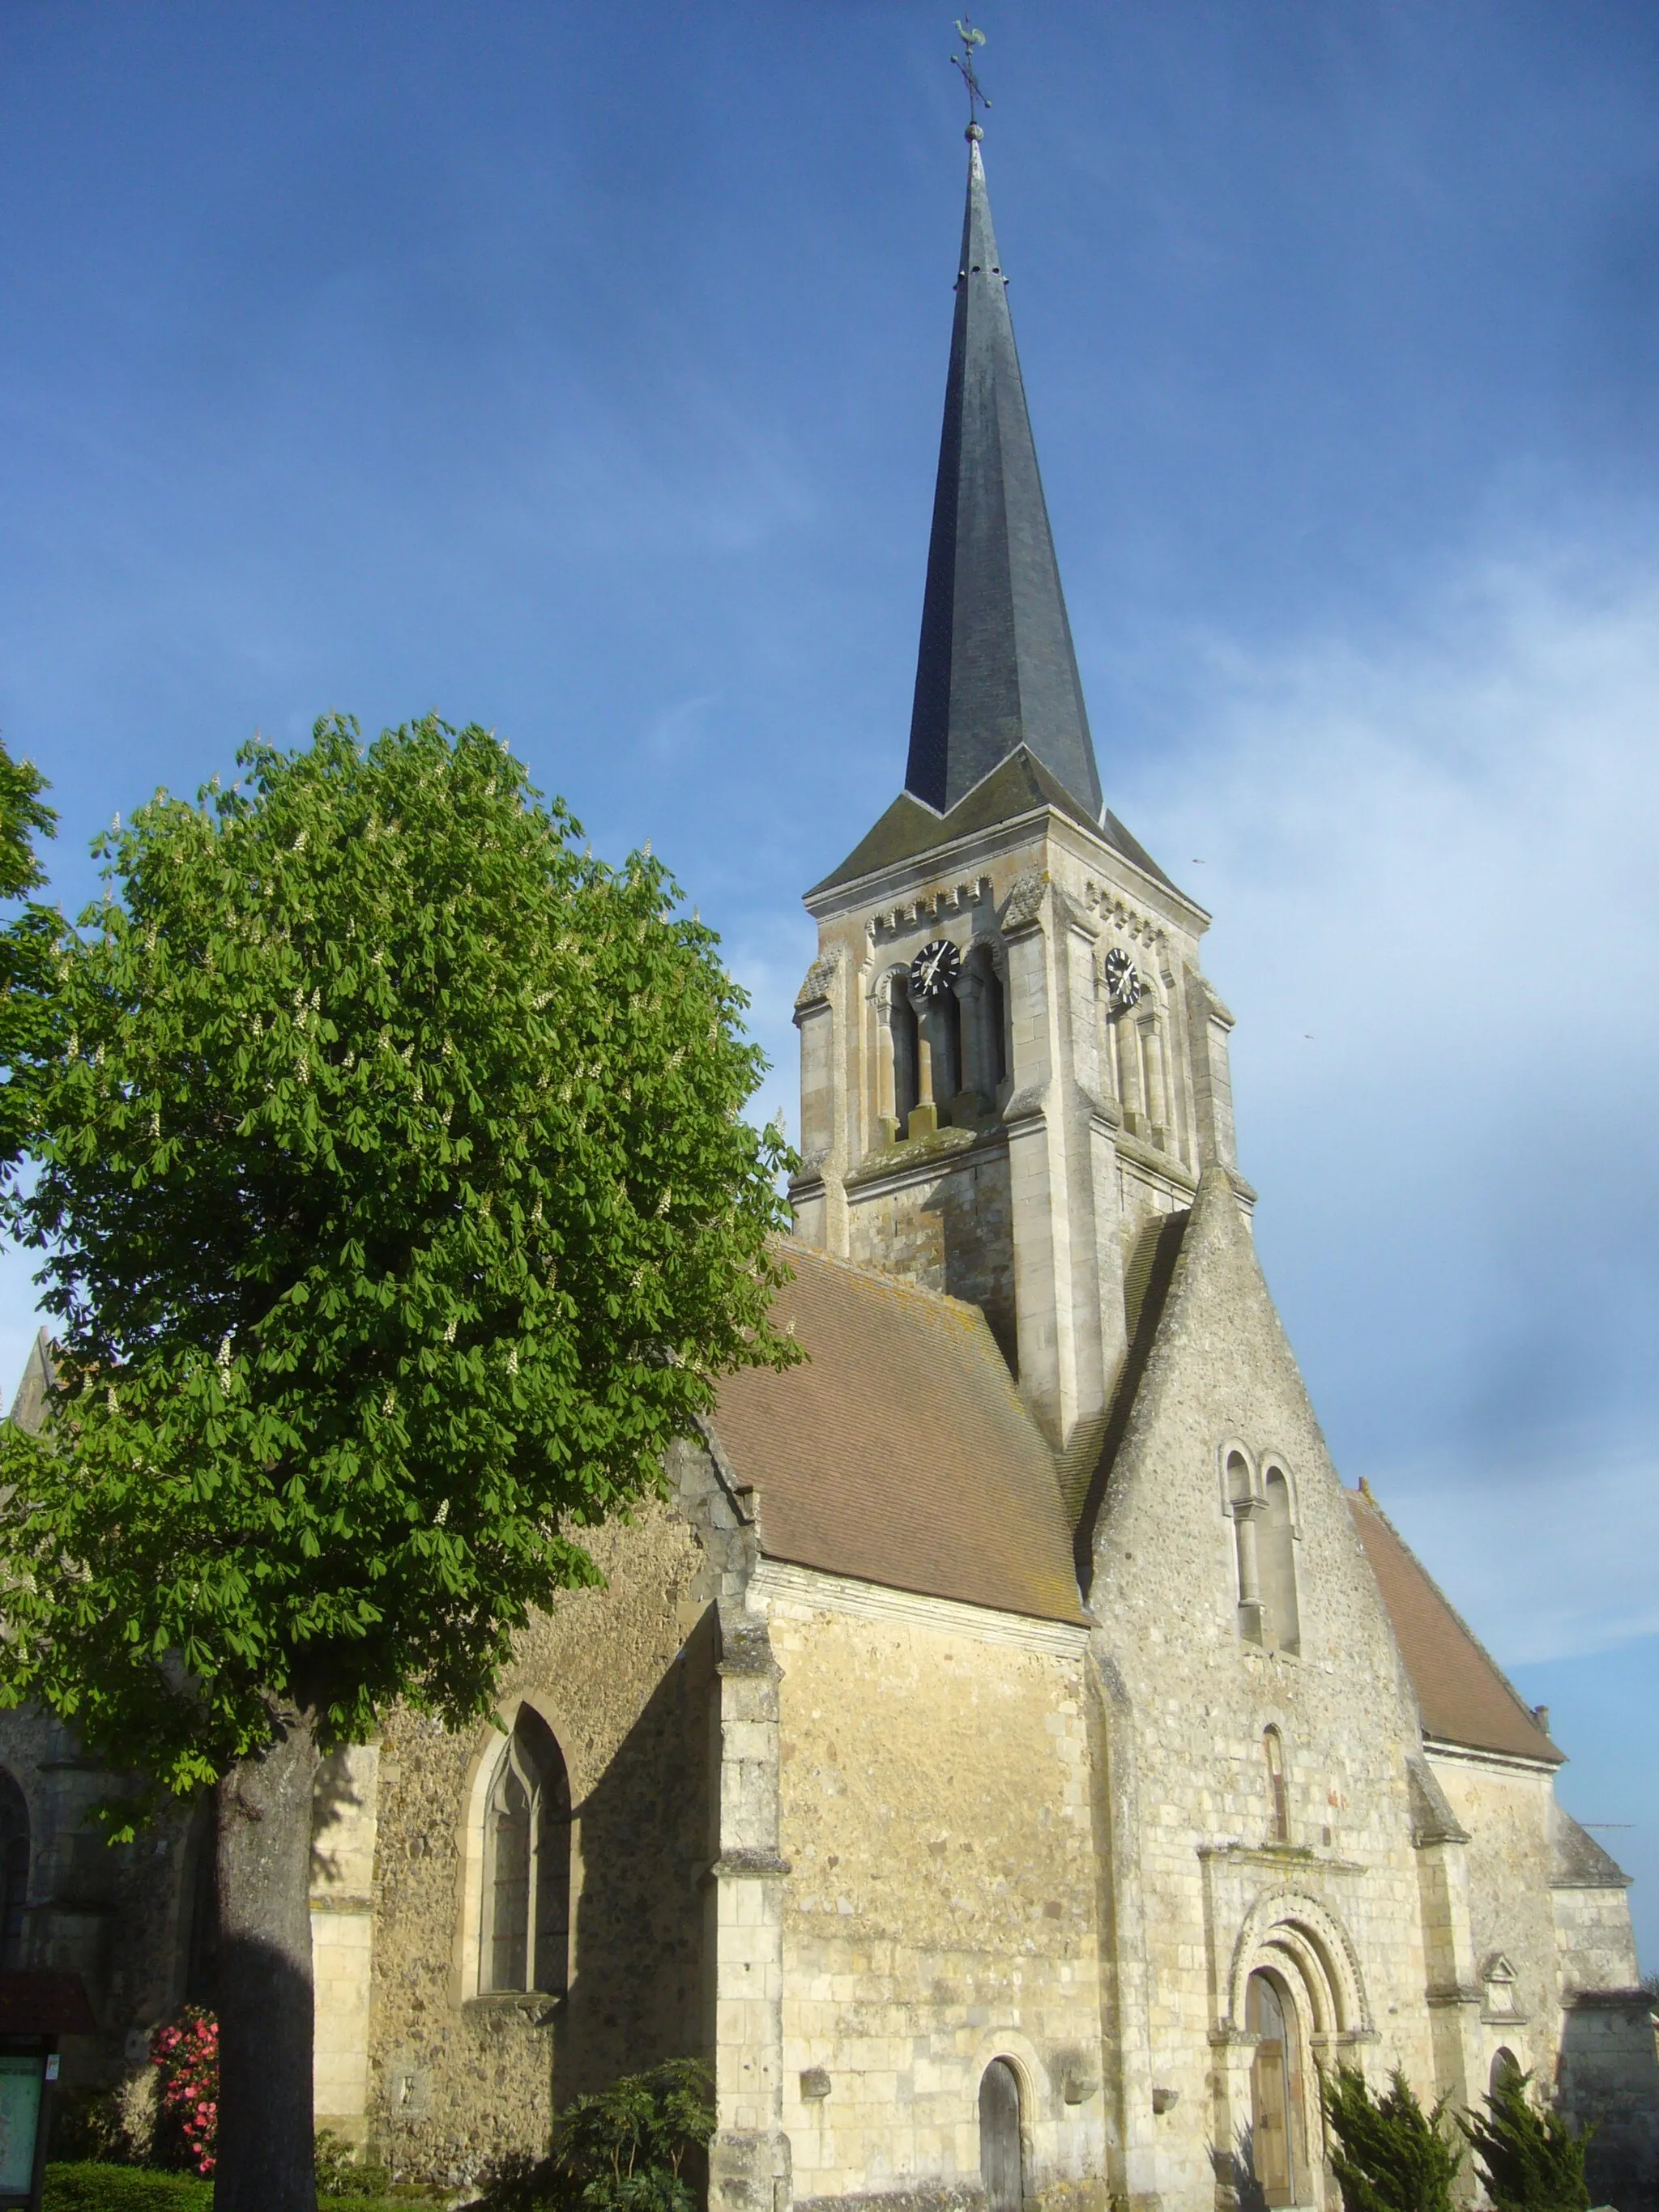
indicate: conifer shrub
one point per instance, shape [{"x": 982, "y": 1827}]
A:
[
  {"x": 1529, "y": 2158},
  {"x": 1388, "y": 2154}
]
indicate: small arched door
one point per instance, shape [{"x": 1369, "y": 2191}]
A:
[
  {"x": 1275, "y": 2092},
  {"x": 1001, "y": 2162}
]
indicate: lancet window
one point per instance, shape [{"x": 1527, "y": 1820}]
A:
[
  {"x": 1283, "y": 1615},
  {"x": 984, "y": 1024},
  {"x": 906, "y": 1049},
  {"x": 526, "y": 1864}
]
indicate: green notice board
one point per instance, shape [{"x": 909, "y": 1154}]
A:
[{"x": 19, "y": 2119}]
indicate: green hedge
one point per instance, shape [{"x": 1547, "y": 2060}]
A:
[{"x": 93, "y": 2188}]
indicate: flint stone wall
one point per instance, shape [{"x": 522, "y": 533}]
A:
[{"x": 623, "y": 1676}]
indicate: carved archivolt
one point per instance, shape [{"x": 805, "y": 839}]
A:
[{"x": 1290, "y": 1929}]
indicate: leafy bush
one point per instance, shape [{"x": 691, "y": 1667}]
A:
[
  {"x": 1389, "y": 2154},
  {"x": 1529, "y": 2158},
  {"x": 86, "y": 2187},
  {"x": 622, "y": 2150},
  {"x": 186, "y": 2056},
  {"x": 339, "y": 2174},
  {"x": 89, "y": 2125}
]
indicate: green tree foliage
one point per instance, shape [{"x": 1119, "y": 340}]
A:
[
  {"x": 28, "y": 946},
  {"x": 1529, "y": 2158},
  {"x": 396, "y": 1213},
  {"x": 623, "y": 2150},
  {"x": 1388, "y": 2154}
]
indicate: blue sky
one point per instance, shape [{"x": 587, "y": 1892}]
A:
[{"x": 578, "y": 371}]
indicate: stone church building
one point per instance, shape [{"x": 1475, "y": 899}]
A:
[{"x": 1010, "y": 1755}]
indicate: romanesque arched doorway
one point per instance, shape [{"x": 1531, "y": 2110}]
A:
[{"x": 1001, "y": 2162}]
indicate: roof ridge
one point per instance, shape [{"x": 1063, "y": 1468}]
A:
[{"x": 1357, "y": 1498}]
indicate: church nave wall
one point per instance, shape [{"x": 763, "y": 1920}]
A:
[{"x": 940, "y": 1911}]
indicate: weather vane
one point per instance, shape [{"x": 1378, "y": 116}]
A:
[{"x": 965, "y": 61}]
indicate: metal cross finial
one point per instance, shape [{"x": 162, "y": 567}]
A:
[{"x": 965, "y": 61}]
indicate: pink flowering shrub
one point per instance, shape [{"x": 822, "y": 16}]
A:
[{"x": 187, "y": 2054}]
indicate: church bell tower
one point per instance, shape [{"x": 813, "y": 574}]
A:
[{"x": 1013, "y": 1070}]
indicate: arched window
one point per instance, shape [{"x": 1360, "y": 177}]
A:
[
  {"x": 984, "y": 1027},
  {"x": 1278, "y": 1561},
  {"x": 526, "y": 1864},
  {"x": 1278, "y": 2149},
  {"x": 13, "y": 1870},
  {"x": 1001, "y": 2159},
  {"x": 1505, "y": 2070},
  {"x": 1243, "y": 1505},
  {"x": 907, "y": 1059},
  {"x": 1279, "y": 1802}
]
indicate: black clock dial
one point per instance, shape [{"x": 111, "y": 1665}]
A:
[
  {"x": 1121, "y": 980},
  {"x": 935, "y": 968}
]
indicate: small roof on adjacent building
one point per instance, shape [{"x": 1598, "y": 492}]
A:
[
  {"x": 1463, "y": 1695},
  {"x": 898, "y": 1452}
]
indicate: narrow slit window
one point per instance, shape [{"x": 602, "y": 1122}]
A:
[{"x": 1279, "y": 1804}]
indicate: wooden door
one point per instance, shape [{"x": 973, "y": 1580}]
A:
[
  {"x": 1000, "y": 2163},
  {"x": 1271, "y": 2131}
]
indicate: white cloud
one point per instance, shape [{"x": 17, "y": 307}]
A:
[{"x": 1432, "y": 857}]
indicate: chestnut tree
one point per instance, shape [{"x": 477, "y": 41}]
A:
[{"x": 396, "y": 1210}]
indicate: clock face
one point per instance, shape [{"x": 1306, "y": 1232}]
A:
[
  {"x": 935, "y": 968},
  {"x": 1121, "y": 980}
]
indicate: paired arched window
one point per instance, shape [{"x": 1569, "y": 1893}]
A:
[
  {"x": 950, "y": 1053},
  {"x": 524, "y": 1938},
  {"x": 1264, "y": 1540},
  {"x": 13, "y": 1870}
]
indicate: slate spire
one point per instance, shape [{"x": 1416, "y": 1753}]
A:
[{"x": 996, "y": 668}]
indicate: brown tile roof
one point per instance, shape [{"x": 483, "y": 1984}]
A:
[
  {"x": 1463, "y": 1697},
  {"x": 899, "y": 1452}
]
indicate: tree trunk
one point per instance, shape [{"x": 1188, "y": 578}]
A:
[{"x": 262, "y": 1859}]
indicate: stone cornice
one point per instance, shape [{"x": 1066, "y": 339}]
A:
[{"x": 779, "y": 1581}]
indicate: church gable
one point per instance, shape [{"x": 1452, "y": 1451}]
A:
[{"x": 1219, "y": 1501}]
